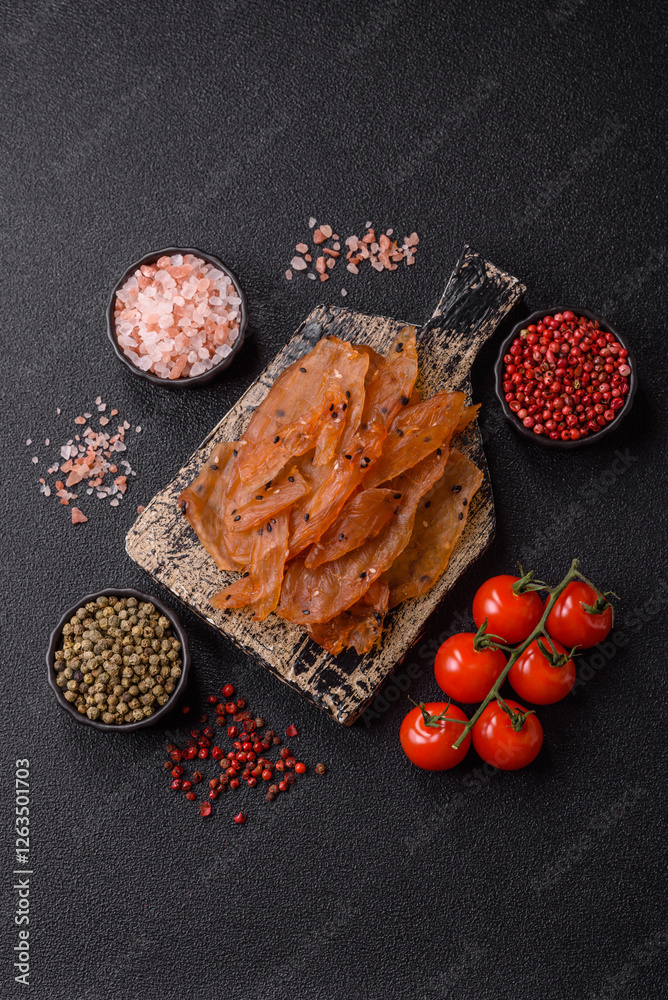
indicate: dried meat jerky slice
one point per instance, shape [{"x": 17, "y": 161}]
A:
[
  {"x": 260, "y": 461},
  {"x": 391, "y": 384},
  {"x": 262, "y": 587},
  {"x": 359, "y": 627},
  {"x": 294, "y": 392},
  {"x": 440, "y": 520},
  {"x": 317, "y": 595},
  {"x": 281, "y": 494},
  {"x": 468, "y": 414},
  {"x": 415, "y": 433},
  {"x": 346, "y": 387},
  {"x": 204, "y": 498},
  {"x": 362, "y": 517}
]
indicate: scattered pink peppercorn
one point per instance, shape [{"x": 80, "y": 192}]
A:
[
  {"x": 176, "y": 784},
  {"x": 205, "y": 808},
  {"x": 300, "y": 768},
  {"x": 228, "y": 690},
  {"x": 191, "y": 796},
  {"x": 240, "y": 817},
  {"x": 292, "y": 730}
]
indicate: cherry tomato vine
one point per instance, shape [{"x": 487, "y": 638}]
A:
[{"x": 599, "y": 609}]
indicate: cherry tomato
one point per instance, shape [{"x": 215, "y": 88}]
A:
[
  {"x": 571, "y": 624},
  {"x": 430, "y": 745},
  {"x": 464, "y": 673},
  {"x": 533, "y": 677},
  {"x": 498, "y": 744},
  {"x": 511, "y": 616}
]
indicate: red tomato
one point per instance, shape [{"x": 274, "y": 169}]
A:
[
  {"x": 430, "y": 745},
  {"x": 533, "y": 677},
  {"x": 511, "y": 616},
  {"x": 498, "y": 744},
  {"x": 571, "y": 624},
  {"x": 464, "y": 673}
]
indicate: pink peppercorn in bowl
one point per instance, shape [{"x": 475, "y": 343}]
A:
[
  {"x": 56, "y": 641},
  {"x": 552, "y": 382},
  {"x": 177, "y": 317}
]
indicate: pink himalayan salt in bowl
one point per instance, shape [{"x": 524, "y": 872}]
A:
[{"x": 177, "y": 317}]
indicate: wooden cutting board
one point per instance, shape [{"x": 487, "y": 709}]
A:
[{"x": 161, "y": 541}]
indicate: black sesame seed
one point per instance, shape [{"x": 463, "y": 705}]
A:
[
  {"x": 214, "y": 467},
  {"x": 268, "y": 486},
  {"x": 306, "y": 517},
  {"x": 456, "y": 489},
  {"x": 428, "y": 439},
  {"x": 302, "y": 369},
  {"x": 383, "y": 410},
  {"x": 400, "y": 433},
  {"x": 377, "y": 616},
  {"x": 405, "y": 400},
  {"x": 347, "y": 393},
  {"x": 464, "y": 502},
  {"x": 335, "y": 416},
  {"x": 227, "y": 597},
  {"x": 363, "y": 574},
  {"x": 268, "y": 525},
  {"x": 400, "y": 348},
  {"x": 244, "y": 575},
  {"x": 345, "y": 406},
  {"x": 346, "y": 612},
  {"x": 331, "y": 407},
  {"x": 183, "y": 505},
  {"x": 276, "y": 439},
  {"x": 305, "y": 611},
  {"x": 341, "y": 537},
  {"x": 438, "y": 452},
  {"x": 280, "y": 413},
  {"x": 259, "y": 496},
  {"x": 235, "y": 510},
  {"x": 428, "y": 503},
  {"x": 238, "y": 517},
  {"x": 348, "y": 457},
  {"x": 291, "y": 479},
  {"x": 460, "y": 516},
  {"x": 396, "y": 510},
  {"x": 273, "y": 520},
  {"x": 397, "y": 496},
  {"x": 235, "y": 452}
]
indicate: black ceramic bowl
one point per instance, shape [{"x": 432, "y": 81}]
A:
[
  {"x": 543, "y": 439},
  {"x": 178, "y": 383},
  {"x": 54, "y": 643}
]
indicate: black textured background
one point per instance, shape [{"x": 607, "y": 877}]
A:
[{"x": 532, "y": 132}]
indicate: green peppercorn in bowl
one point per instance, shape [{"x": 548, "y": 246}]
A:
[{"x": 104, "y": 671}]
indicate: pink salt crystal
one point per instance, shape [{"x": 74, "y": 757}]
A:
[
  {"x": 141, "y": 509},
  {"x": 288, "y": 274},
  {"x": 47, "y": 442},
  {"x": 79, "y": 420},
  {"x": 35, "y": 460},
  {"x": 311, "y": 222},
  {"x": 344, "y": 292},
  {"x": 104, "y": 421},
  {"x": 28, "y": 442},
  {"x": 78, "y": 517},
  {"x": 298, "y": 263},
  {"x": 301, "y": 248},
  {"x": 326, "y": 231},
  {"x": 368, "y": 225},
  {"x": 353, "y": 268}
]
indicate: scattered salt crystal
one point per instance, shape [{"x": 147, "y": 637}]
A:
[
  {"x": 28, "y": 442},
  {"x": 113, "y": 503},
  {"x": 47, "y": 491},
  {"x": 88, "y": 415},
  {"x": 298, "y": 263},
  {"x": 98, "y": 400},
  {"x": 47, "y": 442},
  {"x": 311, "y": 222},
  {"x": 104, "y": 421},
  {"x": 288, "y": 274},
  {"x": 367, "y": 225},
  {"x": 137, "y": 431},
  {"x": 58, "y": 410},
  {"x": 141, "y": 509},
  {"x": 343, "y": 292},
  {"x": 311, "y": 276},
  {"x": 89, "y": 491},
  {"x": 35, "y": 460},
  {"x": 101, "y": 407}
]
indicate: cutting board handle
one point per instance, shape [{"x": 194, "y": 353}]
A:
[{"x": 476, "y": 299}]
